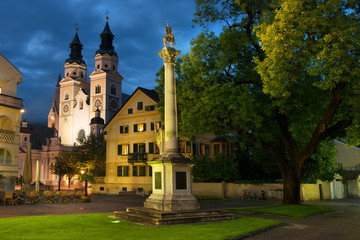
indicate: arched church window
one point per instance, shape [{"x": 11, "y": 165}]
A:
[
  {"x": 81, "y": 134},
  {"x": 98, "y": 66},
  {"x": 97, "y": 89},
  {"x": 82, "y": 75},
  {"x": 67, "y": 74},
  {"x": 113, "y": 89},
  {"x": 114, "y": 67},
  {"x": 5, "y": 156},
  {"x": 81, "y": 106},
  {"x": 66, "y": 96}
]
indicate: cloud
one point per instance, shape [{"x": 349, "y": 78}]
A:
[{"x": 38, "y": 44}]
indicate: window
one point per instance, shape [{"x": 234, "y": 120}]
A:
[
  {"x": 98, "y": 66},
  {"x": 150, "y": 108},
  {"x": 123, "y": 149},
  {"x": 153, "y": 148},
  {"x": 139, "y": 148},
  {"x": 204, "y": 149},
  {"x": 135, "y": 171},
  {"x": 123, "y": 171},
  {"x": 25, "y": 139},
  {"x": 114, "y": 67},
  {"x": 130, "y": 111},
  {"x": 155, "y": 126},
  {"x": 5, "y": 156},
  {"x": 74, "y": 73},
  {"x": 216, "y": 149},
  {"x": 142, "y": 171},
  {"x": 140, "y": 127},
  {"x": 81, "y": 134},
  {"x": 124, "y": 129},
  {"x": 185, "y": 147},
  {"x": 82, "y": 75},
  {"x": 139, "y": 171},
  {"x": 140, "y": 106},
  {"x": 113, "y": 89},
  {"x": 66, "y": 96},
  {"x": 150, "y": 171},
  {"x": 81, "y": 106},
  {"x": 97, "y": 89},
  {"x": 106, "y": 65}
]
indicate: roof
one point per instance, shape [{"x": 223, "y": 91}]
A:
[
  {"x": 107, "y": 30},
  {"x": 352, "y": 174},
  {"x": 219, "y": 139},
  {"x": 76, "y": 40},
  {"x": 150, "y": 93},
  {"x": 39, "y": 133}
]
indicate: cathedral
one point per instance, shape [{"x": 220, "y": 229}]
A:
[
  {"x": 76, "y": 101},
  {"x": 79, "y": 107}
]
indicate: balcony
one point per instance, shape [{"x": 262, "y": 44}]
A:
[
  {"x": 10, "y": 101},
  {"x": 7, "y": 136},
  {"x": 137, "y": 157}
]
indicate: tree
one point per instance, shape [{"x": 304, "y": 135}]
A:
[
  {"x": 65, "y": 164},
  {"x": 91, "y": 154},
  {"x": 302, "y": 88},
  {"x": 221, "y": 169}
]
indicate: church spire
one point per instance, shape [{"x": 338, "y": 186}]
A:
[
  {"x": 107, "y": 37},
  {"x": 76, "y": 46}
]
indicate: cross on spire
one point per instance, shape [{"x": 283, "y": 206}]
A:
[{"x": 107, "y": 14}]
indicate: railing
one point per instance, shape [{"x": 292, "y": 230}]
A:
[
  {"x": 10, "y": 101},
  {"x": 137, "y": 157},
  {"x": 7, "y": 136}
]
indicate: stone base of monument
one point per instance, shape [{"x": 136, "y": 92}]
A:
[{"x": 156, "y": 217}]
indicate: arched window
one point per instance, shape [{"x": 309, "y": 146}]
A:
[
  {"x": 81, "y": 134},
  {"x": 66, "y": 96},
  {"x": 81, "y": 106},
  {"x": 5, "y": 156},
  {"x": 113, "y": 89},
  {"x": 97, "y": 89}
]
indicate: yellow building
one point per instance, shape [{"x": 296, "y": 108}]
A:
[
  {"x": 131, "y": 142},
  {"x": 10, "y": 118}
]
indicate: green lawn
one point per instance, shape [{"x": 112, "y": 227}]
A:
[
  {"x": 100, "y": 226},
  {"x": 299, "y": 211}
]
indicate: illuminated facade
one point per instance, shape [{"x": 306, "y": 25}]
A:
[{"x": 10, "y": 118}]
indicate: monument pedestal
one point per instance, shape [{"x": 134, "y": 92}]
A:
[{"x": 171, "y": 185}]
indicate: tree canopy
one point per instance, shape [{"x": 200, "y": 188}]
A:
[{"x": 281, "y": 75}]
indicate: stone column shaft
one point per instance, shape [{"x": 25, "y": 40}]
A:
[{"x": 171, "y": 146}]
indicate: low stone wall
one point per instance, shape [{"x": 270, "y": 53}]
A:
[{"x": 309, "y": 192}]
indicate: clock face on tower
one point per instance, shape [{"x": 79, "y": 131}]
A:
[
  {"x": 113, "y": 104},
  {"x": 97, "y": 103},
  {"x": 66, "y": 108}
]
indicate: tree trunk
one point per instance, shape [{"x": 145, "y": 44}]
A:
[
  {"x": 69, "y": 181},
  {"x": 86, "y": 186},
  {"x": 291, "y": 187},
  {"x": 59, "y": 183}
]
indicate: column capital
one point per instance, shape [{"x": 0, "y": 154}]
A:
[{"x": 169, "y": 54}]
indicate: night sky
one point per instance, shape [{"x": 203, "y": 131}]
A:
[{"x": 35, "y": 37}]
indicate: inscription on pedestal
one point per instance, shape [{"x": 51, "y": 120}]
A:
[
  {"x": 181, "y": 180},
  {"x": 157, "y": 180}
]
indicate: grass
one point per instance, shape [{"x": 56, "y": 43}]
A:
[
  {"x": 298, "y": 211},
  {"x": 100, "y": 226}
]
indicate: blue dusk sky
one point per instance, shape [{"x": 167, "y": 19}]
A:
[{"x": 35, "y": 37}]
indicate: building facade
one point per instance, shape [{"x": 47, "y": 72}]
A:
[
  {"x": 132, "y": 140},
  {"x": 10, "y": 118}
]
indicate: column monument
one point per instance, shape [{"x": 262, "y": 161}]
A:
[{"x": 171, "y": 181}]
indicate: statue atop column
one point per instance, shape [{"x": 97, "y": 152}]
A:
[{"x": 169, "y": 36}]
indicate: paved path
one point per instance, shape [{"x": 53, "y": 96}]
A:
[{"x": 341, "y": 224}]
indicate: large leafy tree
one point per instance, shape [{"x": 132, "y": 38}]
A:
[{"x": 302, "y": 88}]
